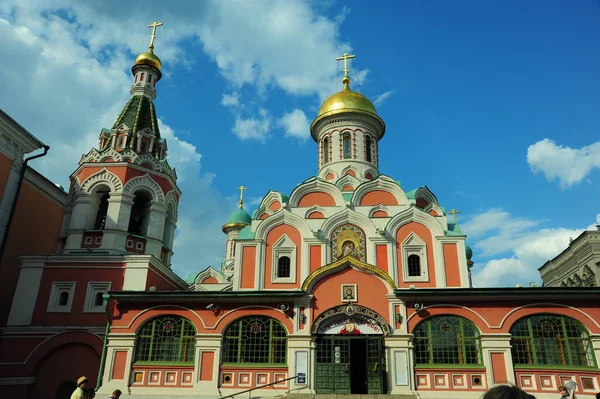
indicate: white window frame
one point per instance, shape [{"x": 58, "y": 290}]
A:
[
  {"x": 414, "y": 245},
  {"x": 93, "y": 288},
  {"x": 58, "y": 287},
  {"x": 284, "y": 247}
]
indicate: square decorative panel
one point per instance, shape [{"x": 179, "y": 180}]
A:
[
  {"x": 587, "y": 383},
  {"x": 186, "y": 378},
  {"x": 262, "y": 378},
  {"x": 547, "y": 382},
  {"x": 171, "y": 377},
  {"x": 227, "y": 379},
  {"x": 154, "y": 377},
  {"x": 244, "y": 379},
  {"x": 526, "y": 381},
  {"x": 440, "y": 380},
  {"x": 349, "y": 293},
  {"x": 279, "y": 378},
  {"x": 138, "y": 377},
  {"x": 459, "y": 381},
  {"x": 477, "y": 380}
]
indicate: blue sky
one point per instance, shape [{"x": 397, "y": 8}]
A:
[{"x": 491, "y": 104}]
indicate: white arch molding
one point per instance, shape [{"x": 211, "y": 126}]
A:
[
  {"x": 382, "y": 183},
  {"x": 348, "y": 216},
  {"x": 316, "y": 184},
  {"x": 102, "y": 177},
  {"x": 282, "y": 217},
  {"x": 145, "y": 182}
]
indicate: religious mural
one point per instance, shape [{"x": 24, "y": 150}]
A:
[{"x": 348, "y": 240}]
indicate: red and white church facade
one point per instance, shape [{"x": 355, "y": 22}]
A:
[{"x": 350, "y": 284}]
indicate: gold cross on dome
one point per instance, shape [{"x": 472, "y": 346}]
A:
[
  {"x": 241, "y": 188},
  {"x": 454, "y": 212},
  {"x": 153, "y": 25},
  {"x": 345, "y": 57}
]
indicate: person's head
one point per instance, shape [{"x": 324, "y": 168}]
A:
[
  {"x": 563, "y": 391},
  {"x": 82, "y": 382},
  {"x": 116, "y": 393},
  {"x": 507, "y": 392}
]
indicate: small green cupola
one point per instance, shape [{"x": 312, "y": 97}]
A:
[{"x": 240, "y": 218}]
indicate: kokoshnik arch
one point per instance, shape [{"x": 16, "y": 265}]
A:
[{"x": 350, "y": 282}]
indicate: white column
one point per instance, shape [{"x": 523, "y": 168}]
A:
[
  {"x": 119, "y": 211},
  {"x": 398, "y": 358},
  {"x": 117, "y": 343},
  {"x": 301, "y": 360},
  {"x": 26, "y": 292},
  {"x": 84, "y": 213},
  {"x": 497, "y": 345},
  {"x": 596, "y": 345},
  {"x": 155, "y": 229},
  {"x": 8, "y": 195},
  {"x": 205, "y": 345}
]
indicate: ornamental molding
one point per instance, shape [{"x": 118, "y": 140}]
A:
[
  {"x": 350, "y": 310},
  {"x": 282, "y": 216},
  {"x": 412, "y": 214},
  {"x": 348, "y": 261},
  {"x": 382, "y": 183},
  {"x": 362, "y": 120},
  {"x": 145, "y": 182},
  {"x": 315, "y": 185},
  {"x": 171, "y": 204},
  {"x": 348, "y": 180},
  {"x": 348, "y": 216},
  {"x": 102, "y": 177},
  {"x": 425, "y": 193},
  {"x": 268, "y": 199}
]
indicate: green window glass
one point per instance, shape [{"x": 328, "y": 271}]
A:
[
  {"x": 166, "y": 339},
  {"x": 447, "y": 340},
  {"x": 255, "y": 339},
  {"x": 551, "y": 340}
]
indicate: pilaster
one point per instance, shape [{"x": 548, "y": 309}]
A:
[
  {"x": 206, "y": 372},
  {"x": 119, "y": 348},
  {"x": 399, "y": 360},
  {"x": 84, "y": 213},
  {"x": 301, "y": 360},
  {"x": 8, "y": 196},
  {"x": 119, "y": 211},
  {"x": 497, "y": 358}
]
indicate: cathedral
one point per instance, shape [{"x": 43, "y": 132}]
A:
[{"x": 349, "y": 284}]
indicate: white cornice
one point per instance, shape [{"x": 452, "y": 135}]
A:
[{"x": 13, "y": 131}]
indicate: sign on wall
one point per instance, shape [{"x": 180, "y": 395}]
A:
[
  {"x": 301, "y": 367},
  {"x": 349, "y": 325}
]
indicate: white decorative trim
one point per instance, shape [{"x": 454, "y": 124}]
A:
[
  {"x": 378, "y": 208},
  {"x": 145, "y": 182},
  {"x": 414, "y": 245},
  {"x": 425, "y": 193},
  {"x": 269, "y": 198},
  {"x": 102, "y": 177},
  {"x": 315, "y": 185},
  {"x": 414, "y": 215},
  {"x": 171, "y": 200},
  {"x": 283, "y": 247},
  {"x": 348, "y": 216},
  {"x": 17, "y": 380},
  {"x": 315, "y": 208},
  {"x": 283, "y": 217},
  {"x": 382, "y": 183},
  {"x": 94, "y": 289},
  {"x": 350, "y": 168},
  {"x": 59, "y": 288},
  {"x": 327, "y": 171},
  {"x": 347, "y": 180}
]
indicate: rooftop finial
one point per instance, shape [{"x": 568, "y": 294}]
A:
[
  {"x": 153, "y": 25},
  {"x": 241, "y": 201},
  {"x": 346, "y": 78},
  {"x": 454, "y": 212}
]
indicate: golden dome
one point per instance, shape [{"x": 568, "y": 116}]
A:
[
  {"x": 149, "y": 58},
  {"x": 346, "y": 101}
]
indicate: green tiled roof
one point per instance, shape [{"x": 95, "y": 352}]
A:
[
  {"x": 246, "y": 234},
  {"x": 454, "y": 230},
  {"x": 411, "y": 194},
  {"x": 239, "y": 216},
  {"x": 139, "y": 114}
]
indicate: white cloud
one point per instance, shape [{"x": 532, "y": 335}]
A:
[
  {"x": 231, "y": 100},
  {"x": 253, "y": 128},
  {"x": 380, "y": 99},
  {"x": 295, "y": 124},
  {"x": 567, "y": 165},
  {"x": 508, "y": 250}
]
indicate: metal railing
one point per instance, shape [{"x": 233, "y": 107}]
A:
[{"x": 259, "y": 387}]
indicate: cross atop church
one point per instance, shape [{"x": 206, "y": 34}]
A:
[
  {"x": 241, "y": 201},
  {"x": 454, "y": 212},
  {"x": 345, "y": 57},
  {"x": 153, "y": 25}
]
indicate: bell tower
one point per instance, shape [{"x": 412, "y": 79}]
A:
[{"x": 123, "y": 196}]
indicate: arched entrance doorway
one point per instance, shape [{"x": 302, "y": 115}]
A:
[
  {"x": 65, "y": 390},
  {"x": 350, "y": 356}
]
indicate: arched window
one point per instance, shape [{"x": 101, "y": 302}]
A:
[
  {"x": 102, "y": 211},
  {"x": 283, "y": 267},
  {"x": 256, "y": 340},
  {"x": 551, "y": 340},
  {"x": 347, "y": 142},
  {"x": 325, "y": 150},
  {"x": 447, "y": 340},
  {"x": 166, "y": 339},
  {"x": 368, "y": 149},
  {"x": 414, "y": 266},
  {"x": 139, "y": 214}
]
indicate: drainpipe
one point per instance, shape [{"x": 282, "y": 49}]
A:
[
  {"x": 15, "y": 200},
  {"x": 106, "y": 298}
]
